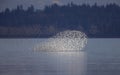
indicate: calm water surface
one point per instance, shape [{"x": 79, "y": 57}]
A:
[{"x": 101, "y": 57}]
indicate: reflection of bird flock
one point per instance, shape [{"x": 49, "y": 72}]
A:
[{"x": 69, "y": 40}]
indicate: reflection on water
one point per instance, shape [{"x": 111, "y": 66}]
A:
[
  {"x": 68, "y": 63},
  {"x": 52, "y": 63},
  {"x": 18, "y": 58}
]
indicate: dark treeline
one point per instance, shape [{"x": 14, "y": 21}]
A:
[{"x": 95, "y": 21}]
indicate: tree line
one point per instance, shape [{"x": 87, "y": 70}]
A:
[{"x": 95, "y": 21}]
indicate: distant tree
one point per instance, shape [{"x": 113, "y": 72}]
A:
[
  {"x": 31, "y": 9},
  {"x": 7, "y": 11}
]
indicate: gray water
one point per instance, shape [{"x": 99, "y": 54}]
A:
[{"x": 100, "y": 57}]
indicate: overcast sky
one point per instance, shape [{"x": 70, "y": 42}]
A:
[{"x": 39, "y": 4}]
